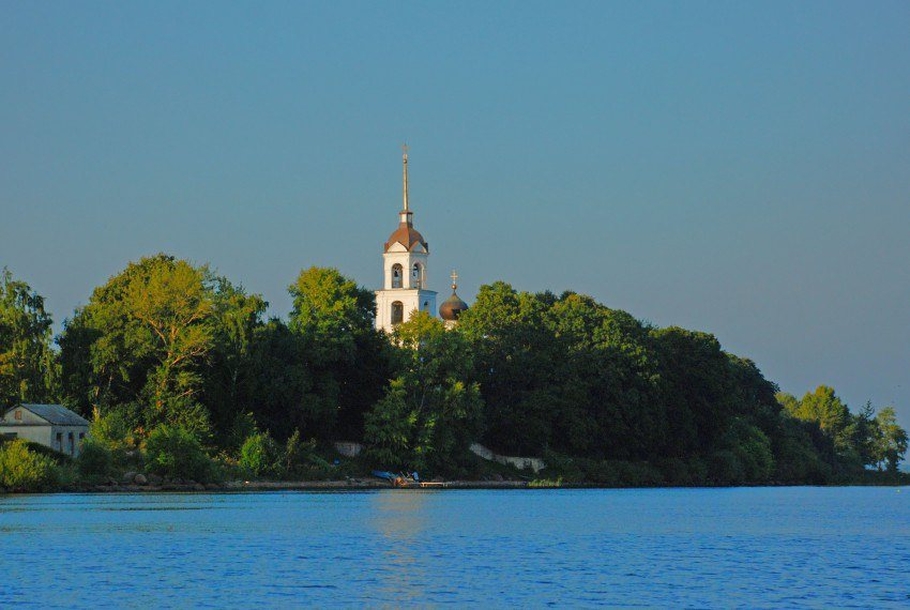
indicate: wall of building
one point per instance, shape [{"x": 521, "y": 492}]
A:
[
  {"x": 37, "y": 433},
  {"x": 26, "y": 425},
  {"x": 412, "y": 300}
]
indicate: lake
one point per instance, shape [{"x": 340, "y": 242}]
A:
[{"x": 739, "y": 547}]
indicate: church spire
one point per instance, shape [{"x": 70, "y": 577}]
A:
[
  {"x": 404, "y": 171},
  {"x": 406, "y": 216}
]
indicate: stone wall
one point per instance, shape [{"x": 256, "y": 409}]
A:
[
  {"x": 522, "y": 463},
  {"x": 348, "y": 448}
]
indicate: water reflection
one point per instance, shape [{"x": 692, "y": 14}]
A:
[{"x": 401, "y": 520}]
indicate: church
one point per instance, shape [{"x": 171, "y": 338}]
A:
[{"x": 405, "y": 289}]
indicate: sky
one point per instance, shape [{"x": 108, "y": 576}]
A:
[{"x": 737, "y": 168}]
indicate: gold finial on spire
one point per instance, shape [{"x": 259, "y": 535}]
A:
[
  {"x": 454, "y": 277},
  {"x": 404, "y": 162}
]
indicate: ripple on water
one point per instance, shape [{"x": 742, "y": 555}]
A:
[{"x": 782, "y": 547}]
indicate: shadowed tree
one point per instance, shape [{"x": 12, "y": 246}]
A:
[{"x": 344, "y": 356}]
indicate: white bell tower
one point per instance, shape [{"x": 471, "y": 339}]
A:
[{"x": 404, "y": 263}]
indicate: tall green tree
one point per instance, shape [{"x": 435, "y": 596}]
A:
[
  {"x": 230, "y": 375},
  {"x": 144, "y": 342},
  {"x": 431, "y": 411},
  {"x": 892, "y": 440},
  {"x": 518, "y": 365},
  {"x": 27, "y": 367},
  {"x": 344, "y": 357},
  {"x": 827, "y": 409},
  {"x": 863, "y": 433},
  {"x": 696, "y": 389},
  {"x": 824, "y": 408}
]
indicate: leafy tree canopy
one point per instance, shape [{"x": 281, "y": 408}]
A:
[
  {"x": 147, "y": 337},
  {"x": 27, "y": 364}
]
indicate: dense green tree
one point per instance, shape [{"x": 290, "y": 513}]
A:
[
  {"x": 619, "y": 371},
  {"x": 280, "y": 384},
  {"x": 27, "y": 368},
  {"x": 839, "y": 444},
  {"x": 788, "y": 402},
  {"x": 863, "y": 434},
  {"x": 696, "y": 389},
  {"x": 518, "y": 364},
  {"x": 848, "y": 442},
  {"x": 799, "y": 450},
  {"x": 344, "y": 356},
  {"x": 330, "y": 311},
  {"x": 431, "y": 412},
  {"x": 891, "y": 443},
  {"x": 145, "y": 339},
  {"x": 825, "y": 408},
  {"x": 230, "y": 375}
]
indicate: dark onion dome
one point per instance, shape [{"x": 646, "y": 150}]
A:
[{"x": 452, "y": 307}]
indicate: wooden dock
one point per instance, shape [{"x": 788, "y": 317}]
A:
[{"x": 434, "y": 484}]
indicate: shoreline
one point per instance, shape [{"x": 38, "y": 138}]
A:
[
  {"x": 258, "y": 486},
  {"x": 357, "y": 484}
]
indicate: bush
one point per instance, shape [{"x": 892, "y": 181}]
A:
[
  {"x": 113, "y": 430},
  {"x": 175, "y": 453},
  {"x": 24, "y": 470},
  {"x": 113, "y": 433},
  {"x": 259, "y": 455},
  {"x": 95, "y": 461}
]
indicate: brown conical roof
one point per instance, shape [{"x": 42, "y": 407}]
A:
[{"x": 407, "y": 236}]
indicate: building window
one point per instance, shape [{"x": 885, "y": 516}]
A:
[
  {"x": 18, "y": 415},
  {"x": 417, "y": 276},
  {"x": 397, "y": 312},
  {"x": 60, "y": 441},
  {"x": 397, "y": 275}
]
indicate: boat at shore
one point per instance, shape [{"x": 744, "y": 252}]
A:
[{"x": 406, "y": 480}]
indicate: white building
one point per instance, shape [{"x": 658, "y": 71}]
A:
[
  {"x": 53, "y": 426},
  {"x": 404, "y": 262}
]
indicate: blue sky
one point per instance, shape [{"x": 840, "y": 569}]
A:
[{"x": 742, "y": 169}]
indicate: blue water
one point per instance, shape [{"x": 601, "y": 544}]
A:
[{"x": 722, "y": 548}]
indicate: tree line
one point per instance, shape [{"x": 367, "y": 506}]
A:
[{"x": 179, "y": 369}]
